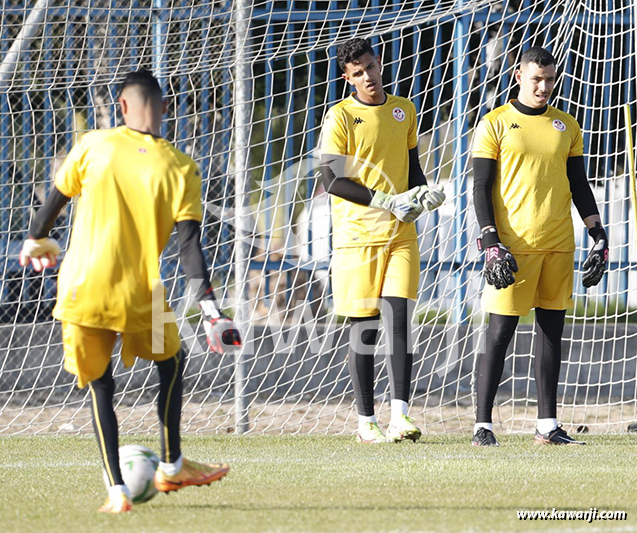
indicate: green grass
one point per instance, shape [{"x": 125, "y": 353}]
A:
[{"x": 329, "y": 484}]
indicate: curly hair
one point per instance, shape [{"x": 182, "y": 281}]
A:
[{"x": 351, "y": 51}]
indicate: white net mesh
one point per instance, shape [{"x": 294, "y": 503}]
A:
[{"x": 260, "y": 96}]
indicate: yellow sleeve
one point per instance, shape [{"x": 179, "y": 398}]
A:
[
  {"x": 577, "y": 142},
  {"x": 485, "y": 140},
  {"x": 190, "y": 207},
  {"x": 412, "y": 139},
  {"x": 334, "y": 134},
  {"x": 68, "y": 179}
]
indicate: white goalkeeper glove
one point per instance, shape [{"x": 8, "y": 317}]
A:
[
  {"x": 405, "y": 206},
  {"x": 221, "y": 333},
  {"x": 431, "y": 197},
  {"x": 41, "y": 253}
]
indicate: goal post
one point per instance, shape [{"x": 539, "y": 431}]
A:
[
  {"x": 249, "y": 84},
  {"x": 630, "y": 164},
  {"x": 242, "y": 101}
]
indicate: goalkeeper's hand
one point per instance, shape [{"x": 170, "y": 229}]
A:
[
  {"x": 499, "y": 266},
  {"x": 221, "y": 333},
  {"x": 597, "y": 260},
  {"x": 405, "y": 206},
  {"x": 431, "y": 197},
  {"x": 41, "y": 253}
]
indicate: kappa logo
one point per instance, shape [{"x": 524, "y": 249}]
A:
[
  {"x": 399, "y": 114},
  {"x": 515, "y": 126},
  {"x": 358, "y": 120},
  {"x": 559, "y": 125}
]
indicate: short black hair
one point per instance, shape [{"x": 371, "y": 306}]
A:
[
  {"x": 538, "y": 55},
  {"x": 351, "y": 51},
  {"x": 146, "y": 83}
]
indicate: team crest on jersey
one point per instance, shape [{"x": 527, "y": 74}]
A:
[
  {"x": 399, "y": 114},
  {"x": 559, "y": 125}
]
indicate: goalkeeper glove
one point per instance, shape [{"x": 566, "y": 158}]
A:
[
  {"x": 499, "y": 266},
  {"x": 595, "y": 264},
  {"x": 221, "y": 333},
  {"x": 499, "y": 263},
  {"x": 41, "y": 253},
  {"x": 431, "y": 197},
  {"x": 405, "y": 206}
]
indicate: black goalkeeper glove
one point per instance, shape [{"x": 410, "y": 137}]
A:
[
  {"x": 595, "y": 264},
  {"x": 499, "y": 263},
  {"x": 221, "y": 333},
  {"x": 499, "y": 266}
]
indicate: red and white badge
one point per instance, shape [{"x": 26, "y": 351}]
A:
[
  {"x": 559, "y": 125},
  {"x": 399, "y": 114}
]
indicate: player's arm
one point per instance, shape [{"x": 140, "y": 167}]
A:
[
  {"x": 38, "y": 249},
  {"x": 499, "y": 263},
  {"x": 431, "y": 197},
  {"x": 416, "y": 175},
  {"x": 405, "y": 206},
  {"x": 484, "y": 170},
  {"x": 221, "y": 333},
  {"x": 584, "y": 200},
  {"x": 335, "y": 182}
]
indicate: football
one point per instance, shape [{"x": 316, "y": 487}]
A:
[{"x": 138, "y": 465}]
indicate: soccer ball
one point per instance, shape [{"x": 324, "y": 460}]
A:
[{"x": 138, "y": 465}]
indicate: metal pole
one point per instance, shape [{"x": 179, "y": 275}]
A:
[
  {"x": 160, "y": 38},
  {"x": 461, "y": 147},
  {"x": 29, "y": 30},
  {"x": 624, "y": 259},
  {"x": 242, "y": 118}
]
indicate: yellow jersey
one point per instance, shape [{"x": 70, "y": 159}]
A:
[
  {"x": 132, "y": 189},
  {"x": 377, "y": 140},
  {"x": 531, "y": 194}
]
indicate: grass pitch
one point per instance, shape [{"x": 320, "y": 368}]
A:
[{"x": 285, "y": 483}]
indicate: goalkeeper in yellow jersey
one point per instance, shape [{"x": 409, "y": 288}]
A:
[
  {"x": 133, "y": 187},
  {"x": 528, "y": 167},
  {"x": 370, "y": 166}
]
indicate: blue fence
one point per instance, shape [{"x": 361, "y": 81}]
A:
[{"x": 440, "y": 62}]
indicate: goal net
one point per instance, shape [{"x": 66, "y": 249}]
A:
[{"x": 249, "y": 84}]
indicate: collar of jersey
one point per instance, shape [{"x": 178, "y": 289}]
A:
[
  {"x": 369, "y": 105},
  {"x": 526, "y": 110},
  {"x": 144, "y": 133}
]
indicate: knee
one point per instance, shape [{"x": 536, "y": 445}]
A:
[
  {"x": 551, "y": 324},
  {"x": 173, "y": 365},
  {"x": 501, "y": 329},
  {"x": 364, "y": 332},
  {"x": 105, "y": 384}
]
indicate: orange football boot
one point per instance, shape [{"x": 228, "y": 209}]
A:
[{"x": 191, "y": 473}]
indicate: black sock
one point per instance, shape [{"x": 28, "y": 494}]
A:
[
  {"x": 548, "y": 356},
  {"x": 400, "y": 357},
  {"x": 362, "y": 339},
  {"x": 491, "y": 363},
  {"x": 105, "y": 424},
  {"x": 169, "y": 405}
]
